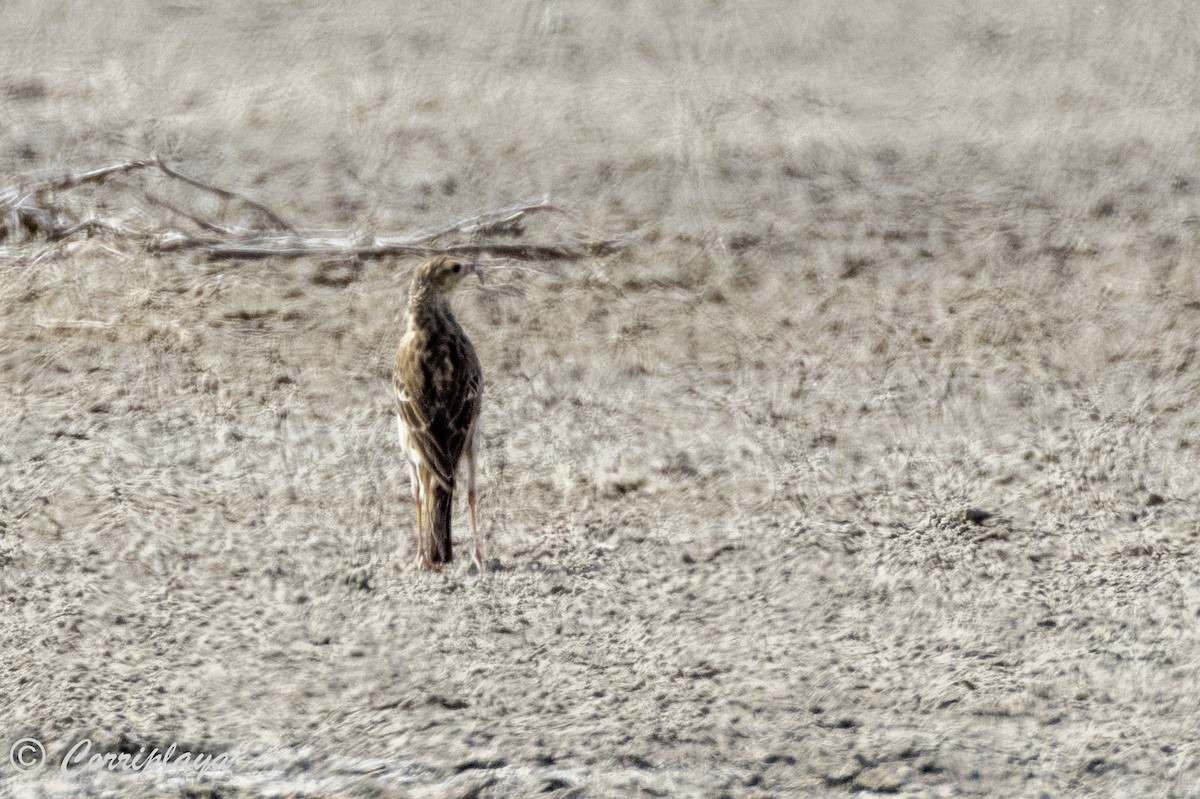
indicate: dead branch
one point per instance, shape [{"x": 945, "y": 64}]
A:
[
  {"x": 298, "y": 247},
  {"x": 39, "y": 211},
  {"x": 27, "y": 212}
]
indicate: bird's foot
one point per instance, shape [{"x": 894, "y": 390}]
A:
[
  {"x": 477, "y": 559},
  {"x": 426, "y": 565}
]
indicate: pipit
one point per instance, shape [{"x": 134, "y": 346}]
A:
[{"x": 439, "y": 392}]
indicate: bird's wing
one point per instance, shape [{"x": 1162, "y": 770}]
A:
[{"x": 438, "y": 393}]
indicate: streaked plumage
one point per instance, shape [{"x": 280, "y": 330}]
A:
[{"x": 439, "y": 393}]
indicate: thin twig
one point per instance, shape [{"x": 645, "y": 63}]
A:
[
  {"x": 89, "y": 226},
  {"x": 490, "y": 221},
  {"x": 212, "y": 227},
  {"x": 74, "y": 323},
  {"x": 267, "y": 213},
  {"x": 518, "y": 267},
  {"x": 91, "y": 176}
]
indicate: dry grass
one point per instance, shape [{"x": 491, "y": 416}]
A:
[{"x": 872, "y": 465}]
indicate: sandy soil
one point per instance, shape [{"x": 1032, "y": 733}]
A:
[{"x": 870, "y": 466}]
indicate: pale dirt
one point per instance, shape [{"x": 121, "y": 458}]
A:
[{"x": 871, "y": 467}]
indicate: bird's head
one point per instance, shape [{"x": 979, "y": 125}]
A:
[{"x": 443, "y": 273}]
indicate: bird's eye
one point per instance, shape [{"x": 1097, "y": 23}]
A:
[{"x": 457, "y": 268}]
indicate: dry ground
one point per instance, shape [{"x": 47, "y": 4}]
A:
[{"x": 871, "y": 466}]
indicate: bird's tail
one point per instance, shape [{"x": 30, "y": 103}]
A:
[{"x": 440, "y": 550}]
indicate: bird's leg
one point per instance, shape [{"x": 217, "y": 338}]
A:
[
  {"x": 422, "y": 561},
  {"x": 477, "y": 552},
  {"x": 420, "y": 536},
  {"x": 477, "y": 555}
]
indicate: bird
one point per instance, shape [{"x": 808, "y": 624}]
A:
[{"x": 438, "y": 383}]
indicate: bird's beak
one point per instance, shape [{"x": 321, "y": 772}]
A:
[{"x": 477, "y": 268}]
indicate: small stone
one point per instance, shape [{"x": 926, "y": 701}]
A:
[
  {"x": 480, "y": 763},
  {"x": 884, "y": 778},
  {"x": 841, "y": 773},
  {"x": 977, "y": 515}
]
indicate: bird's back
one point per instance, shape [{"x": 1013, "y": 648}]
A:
[{"x": 439, "y": 387}]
